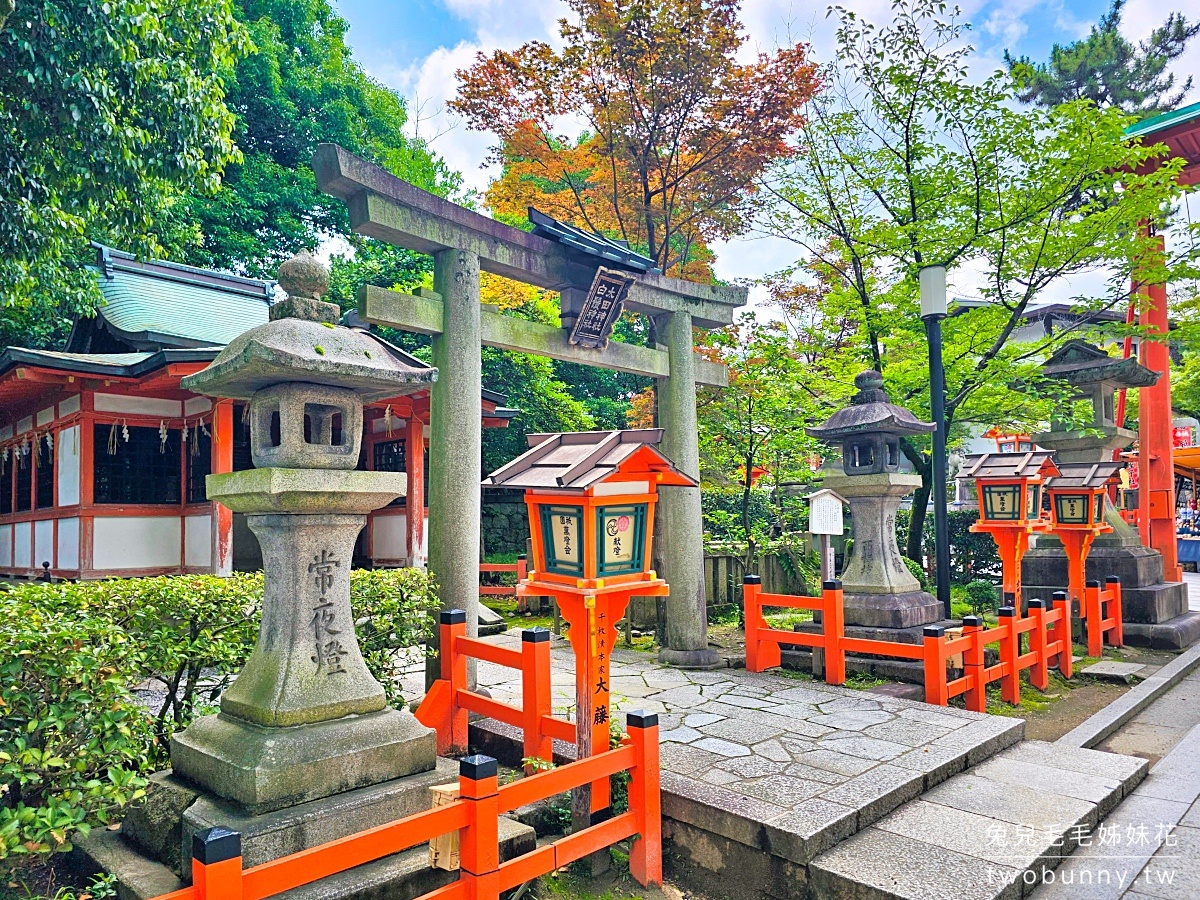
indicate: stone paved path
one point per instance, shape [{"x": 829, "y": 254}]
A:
[{"x": 1150, "y": 845}]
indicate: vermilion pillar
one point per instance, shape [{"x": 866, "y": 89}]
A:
[
  {"x": 222, "y": 461},
  {"x": 414, "y": 465},
  {"x": 1156, "y": 470}
]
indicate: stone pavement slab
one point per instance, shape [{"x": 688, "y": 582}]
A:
[
  {"x": 994, "y": 831},
  {"x": 1114, "y": 671}
]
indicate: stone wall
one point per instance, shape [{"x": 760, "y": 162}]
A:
[{"x": 504, "y": 522}]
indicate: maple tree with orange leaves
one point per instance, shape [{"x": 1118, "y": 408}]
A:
[{"x": 677, "y": 129}]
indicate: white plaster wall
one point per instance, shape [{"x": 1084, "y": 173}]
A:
[
  {"x": 22, "y": 546},
  {"x": 24, "y": 424},
  {"x": 45, "y": 416},
  {"x": 387, "y": 536},
  {"x": 6, "y": 432},
  {"x": 195, "y": 405},
  {"x": 5, "y": 546},
  {"x": 147, "y": 406},
  {"x": 67, "y": 448},
  {"x": 68, "y": 543},
  {"x": 135, "y": 542},
  {"x": 43, "y": 542},
  {"x": 68, "y": 406},
  {"x": 197, "y": 540}
]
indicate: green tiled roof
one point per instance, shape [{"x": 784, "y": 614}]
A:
[
  {"x": 1164, "y": 121},
  {"x": 150, "y": 305}
]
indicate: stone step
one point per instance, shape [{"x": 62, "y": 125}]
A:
[{"x": 985, "y": 834}]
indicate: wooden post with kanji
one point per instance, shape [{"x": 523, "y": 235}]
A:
[{"x": 591, "y": 498}]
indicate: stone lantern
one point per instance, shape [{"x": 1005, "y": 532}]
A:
[
  {"x": 1155, "y": 610},
  {"x": 880, "y": 592},
  {"x": 305, "y": 719}
]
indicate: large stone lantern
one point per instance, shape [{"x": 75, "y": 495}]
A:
[
  {"x": 880, "y": 591},
  {"x": 1156, "y": 610},
  {"x": 305, "y": 719}
]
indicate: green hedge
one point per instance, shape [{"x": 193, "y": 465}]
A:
[{"x": 76, "y": 742}]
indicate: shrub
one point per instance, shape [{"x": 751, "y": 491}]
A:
[
  {"x": 983, "y": 596},
  {"x": 75, "y": 740}
]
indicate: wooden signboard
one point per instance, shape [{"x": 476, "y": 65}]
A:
[{"x": 605, "y": 300}]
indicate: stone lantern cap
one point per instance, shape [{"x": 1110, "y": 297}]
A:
[
  {"x": 869, "y": 412},
  {"x": 1080, "y": 363},
  {"x": 1084, "y": 475},
  {"x": 303, "y": 343}
]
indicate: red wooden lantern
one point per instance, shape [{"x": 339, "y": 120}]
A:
[{"x": 1010, "y": 504}]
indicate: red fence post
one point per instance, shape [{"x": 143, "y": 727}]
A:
[
  {"x": 1116, "y": 611},
  {"x": 976, "y": 695},
  {"x": 1093, "y": 616},
  {"x": 760, "y": 654},
  {"x": 935, "y": 665},
  {"x": 645, "y": 853},
  {"x": 479, "y": 842},
  {"x": 1039, "y": 672},
  {"x": 217, "y": 864},
  {"x": 833, "y": 624},
  {"x": 1010, "y": 650},
  {"x": 1062, "y": 631},
  {"x": 454, "y": 671},
  {"x": 535, "y": 693}
]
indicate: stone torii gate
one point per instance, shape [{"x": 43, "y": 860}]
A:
[{"x": 462, "y": 243}]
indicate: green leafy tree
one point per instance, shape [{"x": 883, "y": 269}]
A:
[
  {"x": 300, "y": 87},
  {"x": 908, "y": 162},
  {"x": 107, "y": 109},
  {"x": 757, "y": 423},
  {"x": 1108, "y": 69}
]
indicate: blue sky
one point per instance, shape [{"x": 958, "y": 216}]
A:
[{"x": 417, "y": 45}]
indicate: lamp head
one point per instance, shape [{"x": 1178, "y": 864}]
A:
[{"x": 933, "y": 291}]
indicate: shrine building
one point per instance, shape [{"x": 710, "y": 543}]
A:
[{"x": 103, "y": 455}]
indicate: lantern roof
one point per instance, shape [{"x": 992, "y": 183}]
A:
[
  {"x": 580, "y": 460},
  {"x": 1084, "y": 475},
  {"x": 1079, "y": 363},
  {"x": 302, "y": 342},
  {"x": 869, "y": 412},
  {"x": 1009, "y": 465}
]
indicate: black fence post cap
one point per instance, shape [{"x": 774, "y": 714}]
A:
[
  {"x": 639, "y": 718},
  {"x": 832, "y": 585},
  {"x": 1113, "y": 579},
  {"x": 751, "y": 579},
  {"x": 535, "y": 635},
  {"x": 1059, "y": 595},
  {"x": 1037, "y": 604},
  {"x": 477, "y": 768},
  {"x": 970, "y": 621},
  {"x": 934, "y": 631},
  {"x": 453, "y": 616},
  {"x": 1093, "y": 584},
  {"x": 216, "y": 844},
  {"x": 1006, "y": 612}
]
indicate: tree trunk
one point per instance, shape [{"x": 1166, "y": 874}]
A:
[
  {"x": 923, "y": 463},
  {"x": 747, "y": 484}
]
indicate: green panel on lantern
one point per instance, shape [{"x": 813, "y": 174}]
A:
[
  {"x": 1099, "y": 515},
  {"x": 1073, "y": 509},
  {"x": 1034, "y": 509},
  {"x": 620, "y": 540},
  {"x": 1002, "y": 502},
  {"x": 562, "y": 536}
]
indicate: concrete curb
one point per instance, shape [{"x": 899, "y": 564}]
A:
[{"x": 1112, "y": 717}]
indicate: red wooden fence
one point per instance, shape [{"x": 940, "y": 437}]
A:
[
  {"x": 448, "y": 701},
  {"x": 217, "y": 872},
  {"x": 1049, "y": 642}
]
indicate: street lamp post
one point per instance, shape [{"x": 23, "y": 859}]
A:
[{"x": 933, "y": 310}]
